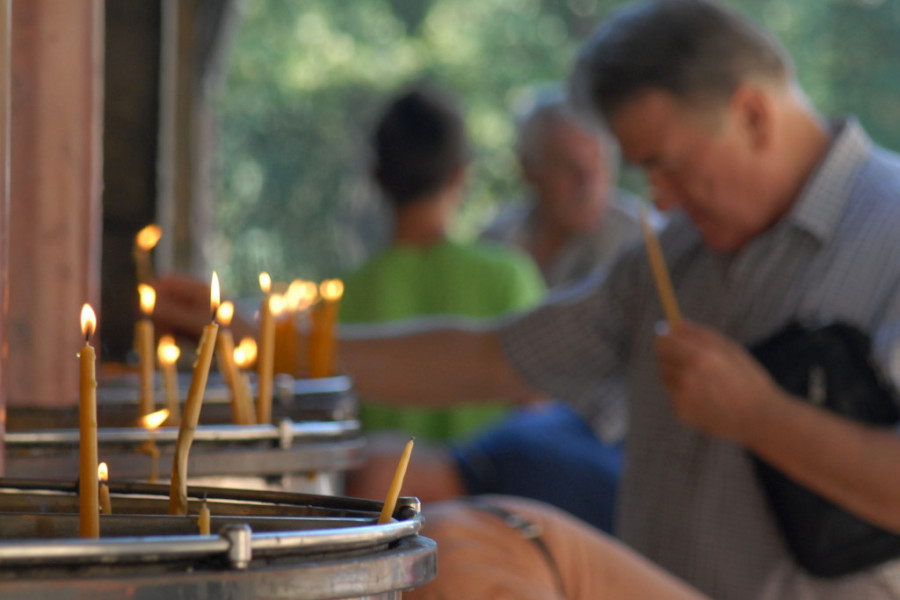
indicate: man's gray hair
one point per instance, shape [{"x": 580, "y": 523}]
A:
[
  {"x": 545, "y": 107},
  {"x": 700, "y": 51}
]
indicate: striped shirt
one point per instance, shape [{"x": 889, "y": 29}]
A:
[{"x": 689, "y": 502}]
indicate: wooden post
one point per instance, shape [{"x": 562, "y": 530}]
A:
[
  {"x": 5, "y": 6},
  {"x": 54, "y": 259}
]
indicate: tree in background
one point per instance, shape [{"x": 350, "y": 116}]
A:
[{"x": 305, "y": 80}]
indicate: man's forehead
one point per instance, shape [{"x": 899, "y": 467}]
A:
[{"x": 644, "y": 123}]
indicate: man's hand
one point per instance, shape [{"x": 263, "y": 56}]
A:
[
  {"x": 182, "y": 305},
  {"x": 713, "y": 383}
]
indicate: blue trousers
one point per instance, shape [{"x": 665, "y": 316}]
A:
[{"x": 547, "y": 453}]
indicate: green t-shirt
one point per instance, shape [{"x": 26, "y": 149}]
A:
[{"x": 470, "y": 280}]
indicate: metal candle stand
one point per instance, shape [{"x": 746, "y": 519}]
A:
[
  {"x": 317, "y": 439},
  {"x": 269, "y": 545}
]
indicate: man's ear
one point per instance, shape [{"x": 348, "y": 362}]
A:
[{"x": 752, "y": 106}]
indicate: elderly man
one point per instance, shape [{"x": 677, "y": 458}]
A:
[{"x": 778, "y": 214}]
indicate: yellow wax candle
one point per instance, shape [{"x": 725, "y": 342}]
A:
[
  {"x": 151, "y": 422},
  {"x": 167, "y": 354},
  {"x": 203, "y": 519},
  {"x": 265, "y": 363},
  {"x": 144, "y": 345},
  {"x": 301, "y": 296},
  {"x": 105, "y": 503},
  {"x": 240, "y": 400},
  {"x": 284, "y": 335},
  {"x": 390, "y": 503},
  {"x": 88, "y": 500},
  {"x": 244, "y": 355},
  {"x": 322, "y": 336},
  {"x": 178, "y": 489},
  {"x": 660, "y": 273},
  {"x": 145, "y": 240}
]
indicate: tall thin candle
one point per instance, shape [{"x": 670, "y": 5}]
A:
[
  {"x": 322, "y": 336},
  {"x": 241, "y": 411},
  {"x": 145, "y": 240},
  {"x": 88, "y": 499},
  {"x": 660, "y": 273},
  {"x": 178, "y": 503},
  {"x": 265, "y": 363},
  {"x": 167, "y": 354},
  {"x": 143, "y": 339},
  {"x": 244, "y": 355}
]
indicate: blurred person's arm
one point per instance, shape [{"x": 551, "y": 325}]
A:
[
  {"x": 430, "y": 363},
  {"x": 183, "y": 308}
]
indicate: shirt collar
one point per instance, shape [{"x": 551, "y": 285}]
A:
[{"x": 823, "y": 199}]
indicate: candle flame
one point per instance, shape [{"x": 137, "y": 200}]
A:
[
  {"x": 240, "y": 358},
  {"x": 265, "y": 282},
  {"x": 88, "y": 321},
  {"x": 225, "y": 313},
  {"x": 214, "y": 295},
  {"x": 277, "y": 304},
  {"x": 301, "y": 294},
  {"x": 167, "y": 352},
  {"x": 155, "y": 419},
  {"x": 331, "y": 289},
  {"x": 103, "y": 471},
  {"x": 248, "y": 350},
  {"x": 148, "y": 237},
  {"x": 148, "y": 298}
]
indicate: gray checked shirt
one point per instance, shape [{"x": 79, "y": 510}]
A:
[{"x": 689, "y": 502}]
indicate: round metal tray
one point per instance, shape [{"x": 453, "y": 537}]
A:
[{"x": 265, "y": 545}]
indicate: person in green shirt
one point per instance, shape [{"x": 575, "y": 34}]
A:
[{"x": 420, "y": 154}]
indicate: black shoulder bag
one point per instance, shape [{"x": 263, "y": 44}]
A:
[{"x": 829, "y": 365}]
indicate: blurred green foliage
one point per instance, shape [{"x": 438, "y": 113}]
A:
[{"x": 306, "y": 80}]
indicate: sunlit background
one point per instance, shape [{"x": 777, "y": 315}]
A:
[{"x": 306, "y": 79}]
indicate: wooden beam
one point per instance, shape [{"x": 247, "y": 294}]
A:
[{"x": 54, "y": 261}]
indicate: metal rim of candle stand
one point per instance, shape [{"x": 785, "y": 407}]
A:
[
  {"x": 236, "y": 542},
  {"x": 406, "y": 508},
  {"x": 163, "y": 548},
  {"x": 285, "y": 432},
  {"x": 286, "y": 449},
  {"x": 217, "y": 391}
]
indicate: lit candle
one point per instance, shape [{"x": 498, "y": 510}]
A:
[
  {"x": 167, "y": 353},
  {"x": 105, "y": 504},
  {"x": 151, "y": 422},
  {"x": 145, "y": 240},
  {"x": 178, "y": 488},
  {"x": 244, "y": 355},
  {"x": 241, "y": 410},
  {"x": 300, "y": 295},
  {"x": 660, "y": 273},
  {"x": 283, "y": 316},
  {"x": 88, "y": 500},
  {"x": 143, "y": 343},
  {"x": 203, "y": 519},
  {"x": 321, "y": 338},
  {"x": 265, "y": 363},
  {"x": 390, "y": 503}
]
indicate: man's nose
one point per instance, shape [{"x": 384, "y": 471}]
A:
[{"x": 662, "y": 189}]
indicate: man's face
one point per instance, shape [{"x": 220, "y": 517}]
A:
[
  {"x": 706, "y": 164},
  {"x": 569, "y": 174}
]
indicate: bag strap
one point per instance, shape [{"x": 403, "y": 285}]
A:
[{"x": 527, "y": 529}]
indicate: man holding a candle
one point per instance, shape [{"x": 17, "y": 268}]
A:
[{"x": 776, "y": 214}]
